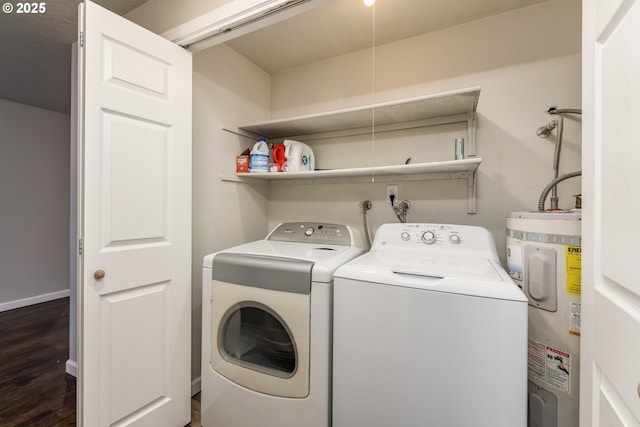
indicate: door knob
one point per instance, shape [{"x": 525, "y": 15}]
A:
[{"x": 99, "y": 274}]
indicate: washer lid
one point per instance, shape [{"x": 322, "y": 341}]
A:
[
  {"x": 471, "y": 276},
  {"x": 431, "y": 265}
]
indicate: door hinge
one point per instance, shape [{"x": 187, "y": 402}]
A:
[
  {"x": 81, "y": 39},
  {"x": 80, "y": 246}
]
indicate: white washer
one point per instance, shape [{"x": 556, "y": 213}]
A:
[
  {"x": 429, "y": 330},
  {"x": 266, "y": 327}
]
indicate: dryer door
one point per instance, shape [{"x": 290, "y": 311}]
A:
[
  {"x": 253, "y": 336},
  {"x": 260, "y": 323}
]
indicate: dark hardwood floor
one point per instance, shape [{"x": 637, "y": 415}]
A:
[{"x": 35, "y": 390}]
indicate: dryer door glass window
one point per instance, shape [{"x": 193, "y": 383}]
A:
[{"x": 254, "y": 337}]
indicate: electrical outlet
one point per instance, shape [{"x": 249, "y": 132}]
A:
[{"x": 392, "y": 190}]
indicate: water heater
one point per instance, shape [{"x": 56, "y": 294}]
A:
[{"x": 544, "y": 259}]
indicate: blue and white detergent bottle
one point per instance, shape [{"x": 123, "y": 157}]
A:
[{"x": 259, "y": 157}]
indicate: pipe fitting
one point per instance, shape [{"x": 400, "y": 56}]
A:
[{"x": 552, "y": 184}]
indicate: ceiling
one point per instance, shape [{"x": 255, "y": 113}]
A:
[
  {"x": 36, "y": 53},
  {"x": 344, "y": 26}
]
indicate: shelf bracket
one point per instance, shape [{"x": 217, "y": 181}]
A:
[
  {"x": 472, "y": 191},
  {"x": 239, "y": 132},
  {"x": 470, "y": 149}
]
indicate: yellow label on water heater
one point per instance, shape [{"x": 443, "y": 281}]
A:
[{"x": 573, "y": 255}]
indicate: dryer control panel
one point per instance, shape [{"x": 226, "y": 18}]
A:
[
  {"x": 445, "y": 239},
  {"x": 315, "y": 232}
]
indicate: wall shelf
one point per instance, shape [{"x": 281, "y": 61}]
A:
[
  {"x": 448, "y": 107},
  {"x": 453, "y": 169}
]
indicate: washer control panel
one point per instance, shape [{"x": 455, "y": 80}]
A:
[
  {"x": 440, "y": 238},
  {"x": 313, "y": 232},
  {"x": 437, "y": 234},
  {"x": 433, "y": 237}
]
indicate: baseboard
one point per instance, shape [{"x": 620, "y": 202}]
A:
[
  {"x": 196, "y": 385},
  {"x": 5, "y": 306},
  {"x": 72, "y": 368}
]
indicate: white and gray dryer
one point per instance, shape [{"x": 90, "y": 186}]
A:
[
  {"x": 429, "y": 330},
  {"x": 266, "y": 331}
]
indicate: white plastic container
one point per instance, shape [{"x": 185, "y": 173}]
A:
[
  {"x": 299, "y": 157},
  {"x": 259, "y": 157}
]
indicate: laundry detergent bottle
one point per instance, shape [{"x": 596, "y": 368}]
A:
[
  {"x": 299, "y": 157},
  {"x": 259, "y": 157},
  {"x": 278, "y": 158}
]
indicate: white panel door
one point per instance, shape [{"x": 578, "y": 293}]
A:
[
  {"x": 610, "y": 389},
  {"x": 135, "y": 210}
]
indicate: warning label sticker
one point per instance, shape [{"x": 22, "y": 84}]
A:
[
  {"x": 574, "y": 269},
  {"x": 536, "y": 360},
  {"x": 550, "y": 365},
  {"x": 574, "y": 318},
  {"x": 558, "y": 369}
]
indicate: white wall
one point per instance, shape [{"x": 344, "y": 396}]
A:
[
  {"x": 524, "y": 61},
  {"x": 34, "y": 200}
]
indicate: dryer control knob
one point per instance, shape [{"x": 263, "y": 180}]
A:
[
  {"x": 429, "y": 237},
  {"x": 405, "y": 236},
  {"x": 309, "y": 231},
  {"x": 455, "y": 239}
]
